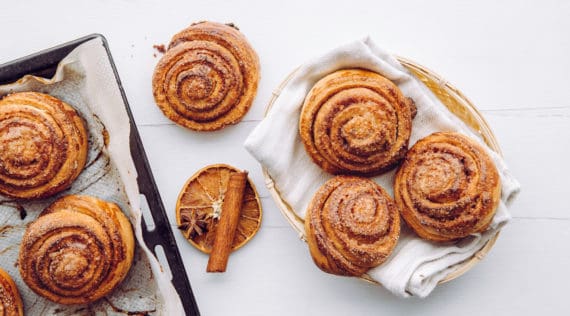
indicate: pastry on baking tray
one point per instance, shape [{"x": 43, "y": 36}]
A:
[
  {"x": 10, "y": 300},
  {"x": 43, "y": 145},
  {"x": 447, "y": 187},
  {"x": 352, "y": 225},
  {"x": 208, "y": 77},
  {"x": 77, "y": 251},
  {"x": 355, "y": 121}
]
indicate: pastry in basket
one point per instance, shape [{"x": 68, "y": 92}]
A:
[
  {"x": 208, "y": 77},
  {"x": 10, "y": 300},
  {"x": 355, "y": 121},
  {"x": 43, "y": 145},
  {"x": 77, "y": 251},
  {"x": 447, "y": 187},
  {"x": 352, "y": 225}
]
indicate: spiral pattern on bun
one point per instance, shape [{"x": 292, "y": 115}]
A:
[
  {"x": 352, "y": 225},
  {"x": 356, "y": 122},
  {"x": 77, "y": 251},
  {"x": 10, "y": 300},
  {"x": 208, "y": 77},
  {"x": 448, "y": 187},
  {"x": 43, "y": 145}
]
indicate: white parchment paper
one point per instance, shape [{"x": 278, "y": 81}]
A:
[{"x": 85, "y": 80}]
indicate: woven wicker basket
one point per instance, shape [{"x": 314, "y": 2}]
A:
[{"x": 457, "y": 103}]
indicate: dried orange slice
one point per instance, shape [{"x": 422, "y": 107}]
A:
[{"x": 199, "y": 207}]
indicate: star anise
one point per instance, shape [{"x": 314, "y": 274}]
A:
[{"x": 195, "y": 222}]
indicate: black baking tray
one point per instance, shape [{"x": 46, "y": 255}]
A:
[{"x": 44, "y": 64}]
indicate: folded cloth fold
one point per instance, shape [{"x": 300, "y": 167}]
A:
[{"x": 416, "y": 266}]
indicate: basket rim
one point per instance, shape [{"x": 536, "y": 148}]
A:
[{"x": 297, "y": 223}]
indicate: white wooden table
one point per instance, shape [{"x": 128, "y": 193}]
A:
[{"x": 512, "y": 59}]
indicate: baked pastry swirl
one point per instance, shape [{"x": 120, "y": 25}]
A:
[
  {"x": 77, "y": 251},
  {"x": 448, "y": 187},
  {"x": 352, "y": 225},
  {"x": 10, "y": 300},
  {"x": 43, "y": 145},
  {"x": 208, "y": 77},
  {"x": 355, "y": 121}
]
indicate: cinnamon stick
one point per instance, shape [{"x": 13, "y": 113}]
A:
[{"x": 228, "y": 223}]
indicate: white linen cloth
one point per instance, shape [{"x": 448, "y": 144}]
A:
[{"x": 416, "y": 266}]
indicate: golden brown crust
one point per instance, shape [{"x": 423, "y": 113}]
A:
[
  {"x": 208, "y": 77},
  {"x": 352, "y": 225},
  {"x": 43, "y": 145},
  {"x": 448, "y": 187},
  {"x": 10, "y": 300},
  {"x": 77, "y": 251},
  {"x": 355, "y": 121}
]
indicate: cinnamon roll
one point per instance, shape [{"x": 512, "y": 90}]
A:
[
  {"x": 208, "y": 77},
  {"x": 448, "y": 187},
  {"x": 352, "y": 225},
  {"x": 355, "y": 121},
  {"x": 77, "y": 251},
  {"x": 43, "y": 145},
  {"x": 10, "y": 300}
]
